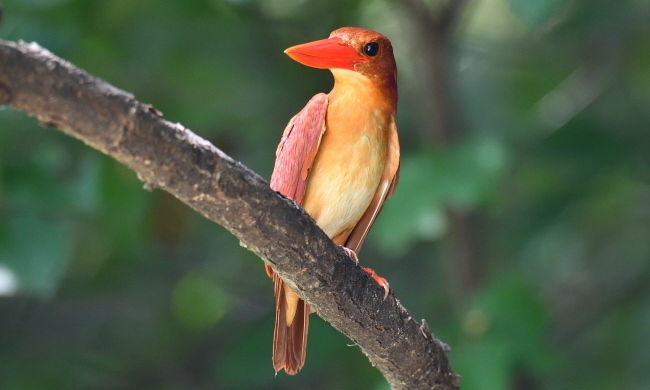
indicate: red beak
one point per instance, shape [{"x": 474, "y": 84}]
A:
[{"x": 326, "y": 54}]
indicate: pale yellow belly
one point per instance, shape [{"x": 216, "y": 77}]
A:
[{"x": 343, "y": 181}]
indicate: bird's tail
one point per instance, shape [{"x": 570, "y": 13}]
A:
[{"x": 291, "y": 326}]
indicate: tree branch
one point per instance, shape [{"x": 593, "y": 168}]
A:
[{"x": 170, "y": 157}]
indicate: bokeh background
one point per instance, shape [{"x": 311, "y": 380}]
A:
[{"x": 520, "y": 230}]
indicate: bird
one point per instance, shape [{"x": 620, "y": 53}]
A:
[{"x": 339, "y": 159}]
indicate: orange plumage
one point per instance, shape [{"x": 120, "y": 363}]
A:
[{"x": 338, "y": 158}]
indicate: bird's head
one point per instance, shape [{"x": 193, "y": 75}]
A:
[{"x": 354, "y": 49}]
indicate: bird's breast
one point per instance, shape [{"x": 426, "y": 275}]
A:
[{"x": 347, "y": 169}]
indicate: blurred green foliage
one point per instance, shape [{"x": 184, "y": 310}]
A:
[{"x": 104, "y": 285}]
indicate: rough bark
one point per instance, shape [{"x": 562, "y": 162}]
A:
[{"x": 170, "y": 157}]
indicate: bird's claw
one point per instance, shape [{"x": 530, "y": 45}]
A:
[
  {"x": 379, "y": 280},
  {"x": 351, "y": 253}
]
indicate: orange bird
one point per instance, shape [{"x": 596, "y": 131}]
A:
[{"x": 339, "y": 159}]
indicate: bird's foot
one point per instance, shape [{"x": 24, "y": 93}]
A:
[
  {"x": 382, "y": 282},
  {"x": 350, "y": 253}
]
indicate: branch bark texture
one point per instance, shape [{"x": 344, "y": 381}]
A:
[{"x": 170, "y": 157}]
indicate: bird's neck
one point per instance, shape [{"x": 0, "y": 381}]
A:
[{"x": 359, "y": 91}]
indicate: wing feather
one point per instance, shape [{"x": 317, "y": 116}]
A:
[
  {"x": 294, "y": 158},
  {"x": 297, "y": 149}
]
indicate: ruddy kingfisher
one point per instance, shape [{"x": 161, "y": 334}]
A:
[{"x": 339, "y": 159}]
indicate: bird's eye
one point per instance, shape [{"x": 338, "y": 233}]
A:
[{"x": 371, "y": 49}]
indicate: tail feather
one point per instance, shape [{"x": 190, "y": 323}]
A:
[{"x": 291, "y": 326}]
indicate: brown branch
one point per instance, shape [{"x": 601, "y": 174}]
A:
[{"x": 172, "y": 158}]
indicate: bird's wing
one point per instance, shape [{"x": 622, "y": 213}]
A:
[
  {"x": 294, "y": 158},
  {"x": 297, "y": 150},
  {"x": 387, "y": 186}
]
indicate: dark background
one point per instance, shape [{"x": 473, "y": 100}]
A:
[{"x": 522, "y": 237}]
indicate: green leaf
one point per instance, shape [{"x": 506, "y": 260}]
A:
[
  {"x": 431, "y": 181},
  {"x": 414, "y": 200},
  {"x": 36, "y": 249},
  {"x": 198, "y": 302},
  {"x": 534, "y": 12},
  {"x": 483, "y": 366},
  {"x": 505, "y": 331}
]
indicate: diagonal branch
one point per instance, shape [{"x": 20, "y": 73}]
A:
[{"x": 170, "y": 157}]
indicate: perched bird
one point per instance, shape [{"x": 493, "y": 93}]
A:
[{"x": 339, "y": 159}]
